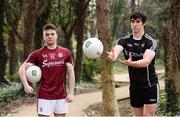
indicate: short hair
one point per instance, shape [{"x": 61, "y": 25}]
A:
[
  {"x": 49, "y": 26},
  {"x": 138, "y": 15}
]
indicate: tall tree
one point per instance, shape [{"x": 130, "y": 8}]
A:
[
  {"x": 108, "y": 87},
  {"x": 12, "y": 53},
  {"x": 32, "y": 9},
  {"x": 133, "y": 5},
  {"x": 13, "y": 13},
  {"x": 117, "y": 12},
  {"x": 41, "y": 21},
  {"x": 79, "y": 32},
  {"x": 173, "y": 82},
  {"x": 3, "y": 55}
]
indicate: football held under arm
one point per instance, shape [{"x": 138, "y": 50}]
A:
[{"x": 22, "y": 74}]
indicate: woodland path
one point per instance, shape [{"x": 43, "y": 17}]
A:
[{"x": 82, "y": 101}]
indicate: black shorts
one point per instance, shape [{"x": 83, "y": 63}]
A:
[{"x": 141, "y": 96}]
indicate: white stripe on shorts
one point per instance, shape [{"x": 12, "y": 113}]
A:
[{"x": 158, "y": 91}]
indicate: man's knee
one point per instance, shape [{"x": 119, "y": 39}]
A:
[
  {"x": 149, "y": 110},
  {"x": 149, "y": 113}
]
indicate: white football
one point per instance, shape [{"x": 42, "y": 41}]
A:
[
  {"x": 93, "y": 48},
  {"x": 33, "y": 74}
]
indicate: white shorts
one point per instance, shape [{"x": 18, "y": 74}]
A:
[{"x": 48, "y": 107}]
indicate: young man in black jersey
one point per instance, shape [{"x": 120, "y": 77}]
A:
[{"x": 139, "y": 51}]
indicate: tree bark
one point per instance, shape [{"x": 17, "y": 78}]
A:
[
  {"x": 108, "y": 85},
  {"x": 13, "y": 24},
  {"x": 133, "y": 5},
  {"x": 29, "y": 12},
  {"x": 79, "y": 31},
  {"x": 32, "y": 10},
  {"x": 173, "y": 82},
  {"x": 3, "y": 55},
  {"x": 12, "y": 54}
]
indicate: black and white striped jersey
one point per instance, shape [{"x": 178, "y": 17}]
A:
[{"x": 140, "y": 77}]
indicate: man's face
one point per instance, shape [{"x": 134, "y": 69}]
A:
[
  {"x": 137, "y": 25},
  {"x": 50, "y": 37}
]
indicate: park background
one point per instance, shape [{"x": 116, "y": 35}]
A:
[{"x": 21, "y": 23}]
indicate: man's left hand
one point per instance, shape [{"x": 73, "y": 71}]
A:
[{"x": 69, "y": 98}]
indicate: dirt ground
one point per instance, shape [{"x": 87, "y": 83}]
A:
[
  {"x": 93, "y": 110},
  {"x": 9, "y": 106},
  {"x": 5, "y": 107},
  {"x": 97, "y": 110}
]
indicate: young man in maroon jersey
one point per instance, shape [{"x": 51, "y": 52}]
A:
[
  {"x": 54, "y": 61},
  {"x": 139, "y": 51}
]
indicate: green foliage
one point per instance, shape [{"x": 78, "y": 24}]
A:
[
  {"x": 162, "y": 104},
  {"x": 10, "y": 92},
  {"x": 117, "y": 12},
  {"x": 13, "y": 77},
  {"x": 90, "y": 68},
  {"x": 13, "y": 6},
  {"x": 62, "y": 12},
  {"x": 162, "y": 107},
  {"x": 159, "y": 63},
  {"x": 172, "y": 107}
]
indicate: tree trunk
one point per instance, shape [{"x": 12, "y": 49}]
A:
[
  {"x": 12, "y": 53},
  {"x": 166, "y": 45},
  {"x": 13, "y": 24},
  {"x": 68, "y": 41},
  {"x": 110, "y": 106},
  {"x": 29, "y": 8},
  {"x": 133, "y": 5},
  {"x": 32, "y": 10},
  {"x": 42, "y": 20},
  {"x": 79, "y": 36},
  {"x": 3, "y": 55},
  {"x": 173, "y": 82}
]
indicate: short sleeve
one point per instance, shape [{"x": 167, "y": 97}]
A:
[
  {"x": 32, "y": 58},
  {"x": 121, "y": 42},
  {"x": 69, "y": 57},
  {"x": 151, "y": 44}
]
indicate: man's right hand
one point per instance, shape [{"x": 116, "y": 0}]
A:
[
  {"x": 112, "y": 56},
  {"x": 28, "y": 89}
]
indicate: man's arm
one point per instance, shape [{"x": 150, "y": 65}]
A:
[
  {"x": 71, "y": 77},
  {"x": 113, "y": 55},
  {"x": 147, "y": 58},
  {"x": 22, "y": 74}
]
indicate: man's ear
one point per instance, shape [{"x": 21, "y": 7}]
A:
[{"x": 144, "y": 24}]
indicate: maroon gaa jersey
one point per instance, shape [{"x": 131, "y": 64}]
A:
[{"x": 53, "y": 66}]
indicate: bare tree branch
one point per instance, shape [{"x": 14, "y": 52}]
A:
[
  {"x": 160, "y": 5},
  {"x": 13, "y": 27},
  {"x": 42, "y": 7},
  {"x": 81, "y": 13}
]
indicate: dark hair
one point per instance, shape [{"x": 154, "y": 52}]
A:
[
  {"x": 138, "y": 15},
  {"x": 49, "y": 26}
]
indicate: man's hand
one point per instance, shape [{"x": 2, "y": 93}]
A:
[
  {"x": 70, "y": 98},
  {"x": 28, "y": 89},
  {"x": 127, "y": 62},
  {"x": 112, "y": 56}
]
